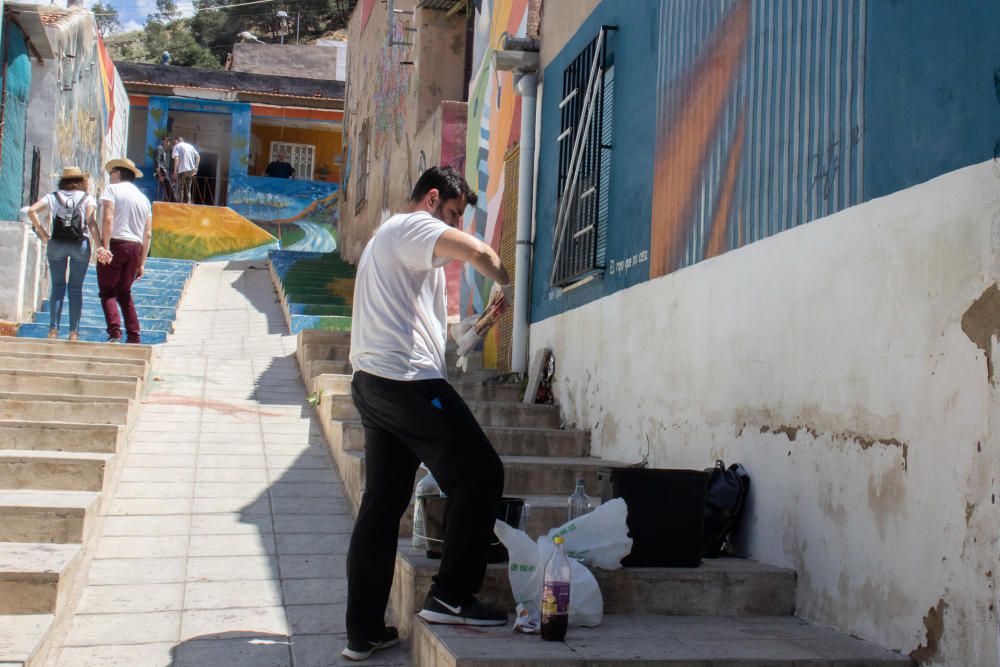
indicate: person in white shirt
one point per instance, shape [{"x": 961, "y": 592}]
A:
[
  {"x": 73, "y": 230},
  {"x": 127, "y": 231},
  {"x": 412, "y": 415},
  {"x": 186, "y": 161}
]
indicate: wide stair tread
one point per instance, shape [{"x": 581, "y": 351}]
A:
[
  {"x": 22, "y": 637},
  {"x": 60, "y": 436},
  {"x": 79, "y": 348},
  {"x": 34, "y": 577},
  {"x": 52, "y": 516},
  {"x": 68, "y": 471},
  {"x": 692, "y": 641}
]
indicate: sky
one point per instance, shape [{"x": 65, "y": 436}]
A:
[{"x": 132, "y": 13}]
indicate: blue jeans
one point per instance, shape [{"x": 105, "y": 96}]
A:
[{"x": 78, "y": 255}]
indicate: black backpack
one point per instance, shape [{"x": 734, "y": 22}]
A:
[
  {"x": 724, "y": 500},
  {"x": 67, "y": 222}
]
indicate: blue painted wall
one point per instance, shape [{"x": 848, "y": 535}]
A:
[
  {"x": 932, "y": 89},
  {"x": 18, "y": 81},
  {"x": 821, "y": 106},
  {"x": 633, "y": 47}
]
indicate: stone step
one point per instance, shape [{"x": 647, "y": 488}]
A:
[
  {"x": 526, "y": 442},
  {"x": 551, "y": 475},
  {"x": 61, "y": 436},
  {"x": 25, "y": 639},
  {"x": 544, "y": 513},
  {"x": 488, "y": 413},
  {"x": 319, "y": 336},
  {"x": 312, "y": 369},
  {"x": 92, "y": 307},
  {"x": 79, "y": 349},
  {"x": 34, "y": 577},
  {"x": 98, "y": 321},
  {"x": 12, "y": 361},
  {"x": 87, "y": 334},
  {"x": 61, "y": 517},
  {"x": 470, "y": 389},
  {"x": 719, "y": 587},
  {"x": 42, "y": 407},
  {"x": 647, "y": 639},
  {"x": 341, "y": 351},
  {"x": 64, "y": 471},
  {"x": 73, "y": 384}
]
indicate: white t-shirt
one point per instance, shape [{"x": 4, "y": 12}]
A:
[
  {"x": 68, "y": 195},
  {"x": 186, "y": 156},
  {"x": 400, "y": 314},
  {"x": 132, "y": 210}
]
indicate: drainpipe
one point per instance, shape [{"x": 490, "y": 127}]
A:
[{"x": 527, "y": 87}]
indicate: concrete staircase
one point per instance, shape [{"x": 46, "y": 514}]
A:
[
  {"x": 727, "y": 611},
  {"x": 65, "y": 409},
  {"x": 156, "y": 296}
]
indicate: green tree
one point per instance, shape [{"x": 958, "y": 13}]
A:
[{"x": 108, "y": 22}]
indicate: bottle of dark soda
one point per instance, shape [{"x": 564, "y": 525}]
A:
[{"x": 555, "y": 595}]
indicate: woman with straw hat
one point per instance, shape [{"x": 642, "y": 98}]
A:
[{"x": 71, "y": 233}]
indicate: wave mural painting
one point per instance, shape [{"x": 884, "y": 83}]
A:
[
  {"x": 301, "y": 214},
  {"x": 206, "y": 233}
]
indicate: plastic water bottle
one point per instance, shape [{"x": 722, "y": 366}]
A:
[
  {"x": 579, "y": 502},
  {"x": 427, "y": 486},
  {"x": 555, "y": 595}
]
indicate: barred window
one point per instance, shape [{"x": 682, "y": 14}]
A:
[{"x": 584, "y": 145}]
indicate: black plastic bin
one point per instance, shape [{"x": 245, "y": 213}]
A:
[
  {"x": 508, "y": 510},
  {"x": 666, "y": 511}
]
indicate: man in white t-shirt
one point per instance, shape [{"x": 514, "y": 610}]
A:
[
  {"x": 127, "y": 230},
  {"x": 412, "y": 415},
  {"x": 186, "y": 161}
]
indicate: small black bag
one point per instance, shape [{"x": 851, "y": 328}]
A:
[
  {"x": 67, "y": 222},
  {"x": 724, "y": 500}
]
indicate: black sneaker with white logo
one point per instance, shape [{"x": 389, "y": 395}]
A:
[
  {"x": 472, "y": 612},
  {"x": 362, "y": 650}
]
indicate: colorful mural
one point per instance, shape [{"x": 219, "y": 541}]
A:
[
  {"x": 392, "y": 85},
  {"x": 757, "y": 130},
  {"x": 317, "y": 289},
  {"x": 89, "y": 127},
  {"x": 17, "y": 84},
  {"x": 215, "y": 233},
  {"x": 301, "y": 214},
  {"x": 494, "y": 122}
]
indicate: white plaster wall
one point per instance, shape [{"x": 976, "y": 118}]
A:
[
  {"x": 21, "y": 271},
  {"x": 830, "y": 360}
]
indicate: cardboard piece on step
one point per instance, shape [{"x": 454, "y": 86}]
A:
[{"x": 536, "y": 371}]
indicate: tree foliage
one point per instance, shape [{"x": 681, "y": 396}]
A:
[
  {"x": 207, "y": 37},
  {"x": 108, "y": 22}
]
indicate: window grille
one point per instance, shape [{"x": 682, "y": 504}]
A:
[
  {"x": 364, "y": 150},
  {"x": 301, "y": 156},
  {"x": 584, "y": 146}
]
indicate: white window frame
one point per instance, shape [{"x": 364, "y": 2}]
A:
[{"x": 301, "y": 156}]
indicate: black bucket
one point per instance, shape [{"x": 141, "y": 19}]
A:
[{"x": 508, "y": 510}]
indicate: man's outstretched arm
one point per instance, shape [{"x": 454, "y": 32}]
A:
[{"x": 454, "y": 244}]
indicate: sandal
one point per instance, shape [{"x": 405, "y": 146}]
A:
[
  {"x": 53, "y": 333},
  {"x": 73, "y": 335}
]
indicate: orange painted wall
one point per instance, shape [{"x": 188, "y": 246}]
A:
[{"x": 328, "y": 144}]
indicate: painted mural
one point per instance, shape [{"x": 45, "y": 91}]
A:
[
  {"x": 212, "y": 233},
  {"x": 759, "y": 122},
  {"x": 301, "y": 214},
  {"x": 317, "y": 289},
  {"x": 494, "y": 124},
  {"x": 17, "y": 84},
  {"x": 392, "y": 85},
  {"x": 92, "y": 108}
]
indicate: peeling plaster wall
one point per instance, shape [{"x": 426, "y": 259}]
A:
[{"x": 847, "y": 365}]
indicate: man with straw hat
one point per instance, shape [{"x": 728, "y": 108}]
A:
[{"x": 126, "y": 231}]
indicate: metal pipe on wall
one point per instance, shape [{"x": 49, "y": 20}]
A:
[{"x": 527, "y": 88}]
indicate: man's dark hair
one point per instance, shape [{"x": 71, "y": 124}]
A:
[
  {"x": 445, "y": 180},
  {"x": 125, "y": 174}
]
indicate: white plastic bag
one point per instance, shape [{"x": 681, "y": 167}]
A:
[
  {"x": 427, "y": 486},
  {"x": 599, "y": 538},
  {"x": 525, "y": 570}
]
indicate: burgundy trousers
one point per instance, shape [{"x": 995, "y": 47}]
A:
[{"x": 114, "y": 280}]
